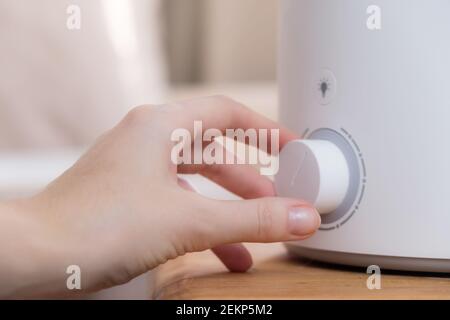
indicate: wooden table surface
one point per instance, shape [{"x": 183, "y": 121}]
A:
[{"x": 276, "y": 275}]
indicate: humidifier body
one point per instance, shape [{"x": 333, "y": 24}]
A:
[{"x": 373, "y": 77}]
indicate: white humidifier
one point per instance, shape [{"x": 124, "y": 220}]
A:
[{"x": 367, "y": 86}]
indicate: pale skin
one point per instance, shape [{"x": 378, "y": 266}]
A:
[{"x": 121, "y": 210}]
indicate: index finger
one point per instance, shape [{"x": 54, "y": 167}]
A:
[{"x": 223, "y": 113}]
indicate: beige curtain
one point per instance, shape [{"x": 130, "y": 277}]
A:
[
  {"x": 60, "y": 87},
  {"x": 222, "y": 40}
]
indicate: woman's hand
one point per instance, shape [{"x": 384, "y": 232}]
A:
[{"x": 121, "y": 210}]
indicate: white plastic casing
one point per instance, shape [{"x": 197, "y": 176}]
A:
[
  {"x": 315, "y": 171},
  {"x": 391, "y": 101}
]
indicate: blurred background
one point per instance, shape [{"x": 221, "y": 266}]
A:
[
  {"x": 220, "y": 40},
  {"x": 60, "y": 87},
  {"x": 64, "y": 87}
]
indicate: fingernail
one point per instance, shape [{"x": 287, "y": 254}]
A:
[{"x": 303, "y": 220}]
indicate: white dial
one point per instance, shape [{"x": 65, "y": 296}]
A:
[{"x": 315, "y": 171}]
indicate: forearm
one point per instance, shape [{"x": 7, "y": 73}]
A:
[{"x": 30, "y": 265}]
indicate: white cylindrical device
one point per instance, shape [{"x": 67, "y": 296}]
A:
[{"x": 370, "y": 81}]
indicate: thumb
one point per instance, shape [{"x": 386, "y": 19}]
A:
[{"x": 263, "y": 220}]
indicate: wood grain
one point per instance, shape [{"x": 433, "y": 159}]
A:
[{"x": 276, "y": 275}]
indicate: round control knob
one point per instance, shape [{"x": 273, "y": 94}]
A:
[{"x": 315, "y": 171}]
